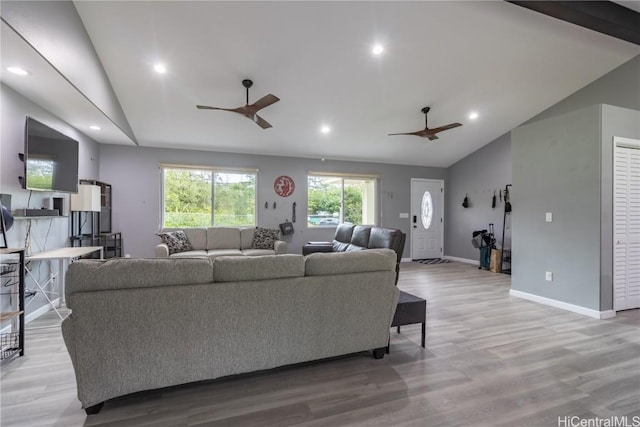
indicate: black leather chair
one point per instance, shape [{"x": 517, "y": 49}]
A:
[{"x": 351, "y": 237}]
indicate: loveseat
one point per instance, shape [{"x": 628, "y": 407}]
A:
[
  {"x": 142, "y": 324},
  {"x": 350, "y": 237},
  {"x": 225, "y": 241}
]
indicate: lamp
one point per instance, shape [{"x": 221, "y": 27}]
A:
[{"x": 87, "y": 199}]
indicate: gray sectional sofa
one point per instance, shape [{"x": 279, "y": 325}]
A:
[
  {"x": 141, "y": 324},
  {"x": 221, "y": 241}
]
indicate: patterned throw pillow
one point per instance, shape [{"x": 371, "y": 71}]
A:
[
  {"x": 264, "y": 238},
  {"x": 177, "y": 241}
]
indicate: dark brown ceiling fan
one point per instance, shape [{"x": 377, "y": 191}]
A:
[
  {"x": 426, "y": 132},
  {"x": 249, "y": 111}
]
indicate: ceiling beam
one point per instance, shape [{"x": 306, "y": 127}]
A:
[{"x": 602, "y": 16}]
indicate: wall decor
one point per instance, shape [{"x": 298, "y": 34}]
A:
[{"x": 284, "y": 186}]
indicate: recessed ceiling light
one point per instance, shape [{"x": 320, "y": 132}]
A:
[
  {"x": 94, "y": 127},
  {"x": 19, "y": 71},
  {"x": 377, "y": 49},
  {"x": 473, "y": 115},
  {"x": 160, "y": 68},
  {"x": 325, "y": 129}
]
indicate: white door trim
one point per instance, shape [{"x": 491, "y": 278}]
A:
[{"x": 441, "y": 182}]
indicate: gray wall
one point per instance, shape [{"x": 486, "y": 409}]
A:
[
  {"x": 624, "y": 123},
  {"x": 556, "y": 168},
  {"x": 48, "y": 25},
  {"x": 45, "y": 233},
  {"x": 620, "y": 87},
  {"x": 564, "y": 165},
  {"x": 135, "y": 176},
  {"x": 479, "y": 175}
]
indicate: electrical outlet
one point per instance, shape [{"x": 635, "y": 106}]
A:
[
  {"x": 548, "y": 216},
  {"x": 548, "y": 276}
]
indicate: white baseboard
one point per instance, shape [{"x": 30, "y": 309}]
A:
[
  {"x": 607, "y": 314},
  {"x": 31, "y": 316},
  {"x": 39, "y": 312},
  {"x": 406, "y": 260},
  {"x": 466, "y": 261}
]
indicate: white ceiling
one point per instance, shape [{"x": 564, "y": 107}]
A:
[{"x": 505, "y": 62}]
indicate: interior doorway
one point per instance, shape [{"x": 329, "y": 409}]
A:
[{"x": 427, "y": 218}]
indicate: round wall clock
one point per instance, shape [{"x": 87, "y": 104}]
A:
[{"x": 284, "y": 186}]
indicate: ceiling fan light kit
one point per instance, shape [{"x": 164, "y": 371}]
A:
[
  {"x": 249, "y": 111},
  {"x": 426, "y": 132}
]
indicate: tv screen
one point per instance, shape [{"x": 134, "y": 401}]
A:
[{"x": 51, "y": 159}]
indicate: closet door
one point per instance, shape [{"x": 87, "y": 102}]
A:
[{"x": 626, "y": 228}]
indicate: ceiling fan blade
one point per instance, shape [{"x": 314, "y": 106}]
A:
[
  {"x": 445, "y": 127},
  {"x": 265, "y": 101},
  {"x": 206, "y": 107},
  {"x": 261, "y": 122},
  {"x": 417, "y": 133}
]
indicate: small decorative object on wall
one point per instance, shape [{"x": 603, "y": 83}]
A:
[
  {"x": 465, "y": 202},
  {"x": 493, "y": 200},
  {"x": 286, "y": 228},
  {"x": 284, "y": 186}
]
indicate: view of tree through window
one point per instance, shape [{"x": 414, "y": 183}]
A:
[
  {"x": 203, "y": 198},
  {"x": 334, "y": 199}
]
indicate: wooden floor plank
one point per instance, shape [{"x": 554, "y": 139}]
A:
[{"x": 491, "y": 359}]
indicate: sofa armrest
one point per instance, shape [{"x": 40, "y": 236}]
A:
[
  {"x": 280, "y": 247},
  {"x": 162, "y": 250}
]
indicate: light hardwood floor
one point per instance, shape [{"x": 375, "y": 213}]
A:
[{"x": 491, "y": 360}]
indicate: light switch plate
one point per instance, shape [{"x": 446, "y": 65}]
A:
[
  {"x": 548, "y": 216},
  {"x": 404, "y": 215},
  {"x": 548, "y": 276}
]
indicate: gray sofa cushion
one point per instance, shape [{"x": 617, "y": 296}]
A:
[
  {"x": 236, "y": 269},
  {"x": 123, "y": 273},
  {"x": 246, "y": 237},
  {"x": 190, "y": 254},
  {"x": 197, "y": 237},
  {"x": 325, "y": 264},
  {"x": 257, "y": 252},
  {"x": 223, "y": 238},
  {"x": 214, "y": 253}
]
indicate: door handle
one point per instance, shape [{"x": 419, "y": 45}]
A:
[{"x": 415, "y": 219}]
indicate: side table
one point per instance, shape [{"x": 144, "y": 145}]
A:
[{"x": 410, "y": 310}]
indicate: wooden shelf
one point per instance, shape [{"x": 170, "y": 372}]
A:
[{"x": 10, "y": 315}]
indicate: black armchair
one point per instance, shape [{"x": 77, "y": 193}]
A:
[{"x": 351, "y": 237}]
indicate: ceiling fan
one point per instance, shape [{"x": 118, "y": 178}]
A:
[
  {"x": 426, "y": 132},
  {"x": 249, "y": 111}
]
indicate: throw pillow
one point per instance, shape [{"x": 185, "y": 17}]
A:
[
  {"x": 264, "y": 238},
  {"x": 177, "y": 241}
]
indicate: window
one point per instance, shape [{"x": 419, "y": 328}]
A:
[
  {"x": 202, "y": 197},
  {"x": 426, "y": 208},
  {"x": 336, "y": 199}
]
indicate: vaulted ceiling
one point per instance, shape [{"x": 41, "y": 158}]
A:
[{"x": 504, "y": 62}]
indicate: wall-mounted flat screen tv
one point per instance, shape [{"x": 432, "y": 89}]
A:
[{"x": 50, "y": 159}]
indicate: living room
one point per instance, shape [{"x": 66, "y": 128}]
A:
[{"x": 134, "y": 170}]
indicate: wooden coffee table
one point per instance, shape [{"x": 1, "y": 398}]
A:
[{"x": 410, "y": 310}]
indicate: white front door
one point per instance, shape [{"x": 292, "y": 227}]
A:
[
  {"x": 427, "y": 222},
  {"x": 626, "y": 228}
]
